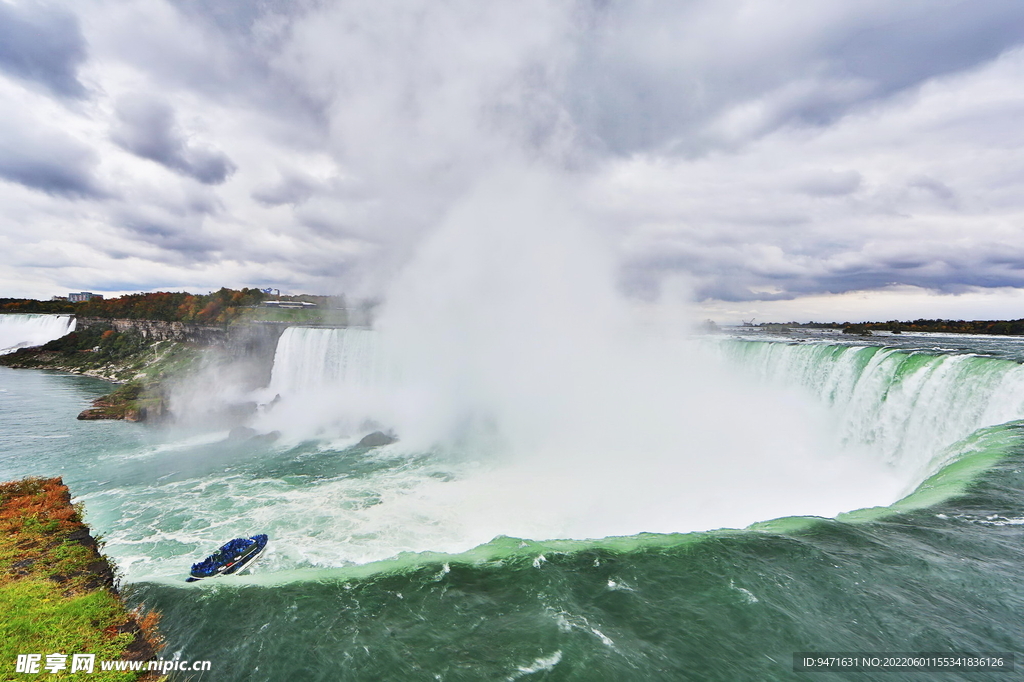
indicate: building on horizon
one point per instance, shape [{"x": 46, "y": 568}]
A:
[{"x": 82, "y": 296}]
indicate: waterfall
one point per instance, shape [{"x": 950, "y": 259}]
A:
[
  {"x": 908, "y": 405},
  {"x": 310, "y": 358},
  {"x": 905, "y": 406},
  {"x": 25, "y": 330}
]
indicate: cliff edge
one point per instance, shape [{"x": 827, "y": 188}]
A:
[{"x": 58, "y": 595}]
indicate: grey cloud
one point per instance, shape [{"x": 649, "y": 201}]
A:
[
  {"x": 49, "y": 176},
  {"x": 140, "y": 284},
  {"x": 291, "y": 189},
  {"x": 953, "y": 274},
  {"x": 651, "y": 74},
  {"x": 240, "y": 16},
  {"x": 208, "y": 166},
  {"x": 49, "y": 162},
  {"x": 412, "y": 102},
  {"x": 234, "y": 55},
  {"x": 148, "y": 129},
  {"x": 183, "y": 239},
  {"x": 830, "y": 183},
  {"x": 908, "y": 45},
  {"x": 908, "y": 264},
  {"x": 952, "y": 278},
  {"x": 323, "y": 226},
  {"x": 200, "y": 204},
  {"x": 746, "y": 274},
  {"x": 44, "y": 45},
  {"x": 937, "y": 189}
]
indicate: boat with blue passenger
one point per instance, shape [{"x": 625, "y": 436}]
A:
[{"x": 232, "y": 558}]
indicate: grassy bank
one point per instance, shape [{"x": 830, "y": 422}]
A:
[{"x": 57, "y": 591}]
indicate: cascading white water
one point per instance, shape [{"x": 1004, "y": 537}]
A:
[
  {"x": 19, "y": 330},
  {"x": 651, "y": 431},
  {"x": 309, "y": 358},
  {"x": 529, "y": 403},
  {"x": 908, "y": 406},
  {"x": 326, "y": 379}
]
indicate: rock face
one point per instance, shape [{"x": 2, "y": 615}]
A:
[
  {"x": 104, "y": 409},
  {"x": 376, "y": 439},
  {"x": 158, "y": 330},
  {"x": 254, "y": 342},
  {"x": 252, "y": 339}
]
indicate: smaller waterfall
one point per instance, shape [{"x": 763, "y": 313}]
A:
[
  {"x": 24, "y": 330},
  {"x": 310, "y": 358}
]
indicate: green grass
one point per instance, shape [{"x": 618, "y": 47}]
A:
[
  {"x": 51, "y": 599},
  {"x": 166, "y": 359},
  {"x": 40, "y": 618},
  {"x": 292, "y": 315}
]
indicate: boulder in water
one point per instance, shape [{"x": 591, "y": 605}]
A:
[
  {"x": 267, "y": 437},
  {"x": 376, "y": 439},
  {"x": 241, "y": 433}
]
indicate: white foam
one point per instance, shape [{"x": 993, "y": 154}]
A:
[{"x": 541, "y": 664}]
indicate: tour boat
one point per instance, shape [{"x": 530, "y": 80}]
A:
[{"x": 233, "y": 557}]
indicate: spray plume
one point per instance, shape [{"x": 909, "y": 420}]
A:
[{"x": 505, "y": 349}]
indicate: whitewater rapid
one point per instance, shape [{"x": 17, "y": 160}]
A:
[{"x": 339, "y": 518}]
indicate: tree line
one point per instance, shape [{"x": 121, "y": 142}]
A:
[
  {"x": 998, "y": 327},
  {"x": 219, "y": 307}
]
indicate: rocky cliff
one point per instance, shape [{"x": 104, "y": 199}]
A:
[
  {"x": 158, "y": 330},
  {"x": 253, "y": 340}
]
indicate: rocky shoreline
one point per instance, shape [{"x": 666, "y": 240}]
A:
[
  {"x": 142, "y": 355},
  {"x": 132, "y": 402},
  {"x": 140, "y": 366}
]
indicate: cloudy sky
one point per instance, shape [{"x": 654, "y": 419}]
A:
[{"x": 786, "y": 159}]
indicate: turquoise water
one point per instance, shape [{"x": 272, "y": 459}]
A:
[{"x": 375, "y": 575}]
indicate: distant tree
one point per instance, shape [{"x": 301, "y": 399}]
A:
[{"x": 219, "y": 307}]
